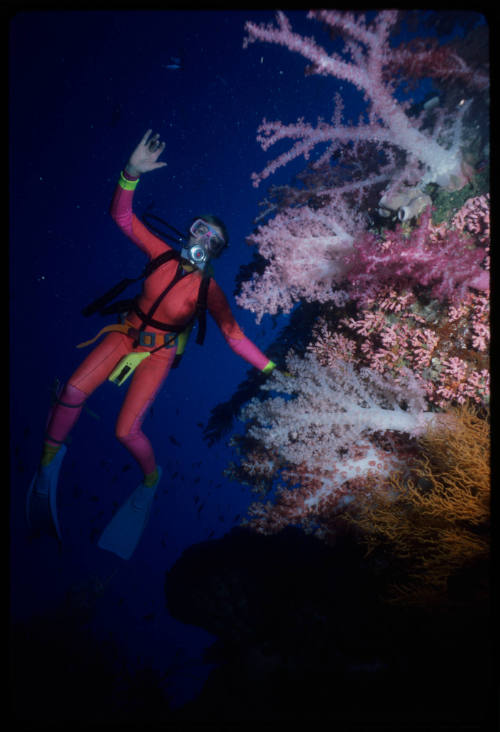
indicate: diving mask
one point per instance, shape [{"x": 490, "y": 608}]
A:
[{"x": 204, "y": 243}]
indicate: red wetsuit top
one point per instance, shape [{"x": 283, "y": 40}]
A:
[{"x": 178, "y": 306}]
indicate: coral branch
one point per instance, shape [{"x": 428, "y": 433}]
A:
[
  {"x": 363, "y": 62},
  {"x": 330, "y": 434},
  {"x": 305, "y": 250}
]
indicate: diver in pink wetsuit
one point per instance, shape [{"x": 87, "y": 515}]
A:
[{"x": 147, "y": 342}]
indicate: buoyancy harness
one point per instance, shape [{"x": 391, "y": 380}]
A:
[{"x": 179, "y": 334}]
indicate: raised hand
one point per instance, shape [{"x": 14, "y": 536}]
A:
[{"x": 146, "y": 154}]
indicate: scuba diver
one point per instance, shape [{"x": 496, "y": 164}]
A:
[{"x": 178, "y": 288}]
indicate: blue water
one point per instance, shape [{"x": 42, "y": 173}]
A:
[{"x": 83, "y": 89}]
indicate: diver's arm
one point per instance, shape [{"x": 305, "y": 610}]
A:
[
  {"x": 247, "y": 350},
  {"x": 142, "y": 160},
  {"x": 218, "y": 307}
]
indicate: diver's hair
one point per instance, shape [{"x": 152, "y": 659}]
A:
[{"x": 216, "y": 221}]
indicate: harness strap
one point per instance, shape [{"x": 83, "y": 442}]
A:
[
  {"x": 65, "y": 404},
  {"x": 159, "y": 260},
  {"x": 154, "y": 307},
  {"x": 156, "y": 323},
  {"x": 102, "y": 305},
  {"x": 52, "y": 439},
  {"x": 99, "y": 305},
  {"x": 200, "y": 310},
  {"x": 127, "y": 329}
]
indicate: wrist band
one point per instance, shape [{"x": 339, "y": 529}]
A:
[
  {"x": 126, "y": 184},
  {"x": 270, "y": 366}
]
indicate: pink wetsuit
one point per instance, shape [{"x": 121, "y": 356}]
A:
[{"x": 176, "y": 308}]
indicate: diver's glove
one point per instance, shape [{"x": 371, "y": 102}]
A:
[{"x": 269, "y": 367}]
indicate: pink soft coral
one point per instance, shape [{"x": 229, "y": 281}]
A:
[
  {"x": 306, "y": 252},
  {"x": 446, "y": 348},
  {"x": 445, "y": 260}
]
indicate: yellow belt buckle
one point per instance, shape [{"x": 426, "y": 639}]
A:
[{"x": 126, "y": 367}]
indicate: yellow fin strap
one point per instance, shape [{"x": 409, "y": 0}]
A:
[{"x": 117, "y": 327}]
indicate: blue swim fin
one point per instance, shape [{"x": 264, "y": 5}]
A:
[
  {"x": 123, "y": 532},
  {"x": 41, "y": 501}
]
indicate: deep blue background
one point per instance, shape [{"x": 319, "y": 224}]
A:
[{"x": 84, "y": 87}]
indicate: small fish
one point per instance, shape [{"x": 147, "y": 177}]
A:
[
  {"x": 200, "y": 424},
  {"x": 95, "y": 499},
  {"x": 174, "y": 64},
  {"x": 200, "y": 508},
  {"x": 237, "y": 517},
  {"x": 174, "y": 441},
  {"x": 196, "y": 499},
  {"x": 211, "y": 533},
  {"x": 126, "y": 467},
  {"x": 196, "y": 480},
  {"x": 149, "y": 618}
]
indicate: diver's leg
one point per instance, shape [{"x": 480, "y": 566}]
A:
[
  {"x": 146, "y": 382},
  {"x": 89, "y": 375},
  {"x": 63, "y": 416},
  {"x": 41, "y": 501},
  {"x": 125, "y": 529}
]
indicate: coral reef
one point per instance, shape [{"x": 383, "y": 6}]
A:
[
  {"x": 434, "y": 523},
  {"x": 387, "y": 232}
]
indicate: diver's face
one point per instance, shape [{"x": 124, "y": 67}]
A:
[
  {"x": 204, "y": 242},
  {"x": 201, "y": 239}
]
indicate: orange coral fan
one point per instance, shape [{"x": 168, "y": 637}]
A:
[{"x": 435, "y": 523}]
